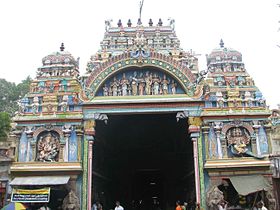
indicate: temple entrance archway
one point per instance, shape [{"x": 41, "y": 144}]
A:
[{"x": 143, "y": 160}]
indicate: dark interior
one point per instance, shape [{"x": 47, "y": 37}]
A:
[{"x": 145, "y": 161}]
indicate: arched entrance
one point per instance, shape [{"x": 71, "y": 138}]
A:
[
  {"x": 156, "y": 166},
  {"x": 143, "y": 160}
]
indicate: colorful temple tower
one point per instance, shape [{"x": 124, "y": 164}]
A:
[
  {"x": 236, "y": 131},
  {"x": 49, "y": 130},
  {"x": 144, "y": 126}
]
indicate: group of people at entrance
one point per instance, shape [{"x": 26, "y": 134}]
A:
[{"x": 98, "y": 206}]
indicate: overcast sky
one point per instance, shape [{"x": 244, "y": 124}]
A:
[{"x": 32, "y": 29}]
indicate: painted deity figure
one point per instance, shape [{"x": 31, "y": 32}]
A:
[
  {"x": 173, "y": 87},
  {"x": 241, "y": 81},
  {"x": 212, "y": 140},
  {"x": 64, "y": 103},
  {"x": 35, "y": 105},
  {"x": 115, "y": 85},
  {"x": 110, "y": 91},
  {"x": 238, "y": 140},
  {"x": 165, "y": 84},
  {"x": 156, "y": 84},
  {"x": 124, "y": 85},
  {"x": 134, "y": 84},
  {"x": 51, "y": 88},
  {"x": 48, "y": 148},
  {"x": 105, "y": 90},
  {"x": 263, "y": 142},
  {"x": 148, "y": 83},
  {"x": 228, "y": 68},
  {"x": 141, "y": 84},
  {"x": 23, "y": 145}
]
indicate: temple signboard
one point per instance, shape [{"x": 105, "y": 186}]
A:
[{"x": 31, "y": 196}]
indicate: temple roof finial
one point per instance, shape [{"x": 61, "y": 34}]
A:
[
  {"x": 129, "y": 23},
  {"x": 120, "y": 23},
  {"x": 222, "y": 43},
  {"x": 150, "y": 22},
  {"x": 139, "y": 22},
  {"x": 62, "y": 47},
  {"x": 160, "y": 22}
]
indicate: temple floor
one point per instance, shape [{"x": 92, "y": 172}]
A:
[{"x": 143, "y": 160}]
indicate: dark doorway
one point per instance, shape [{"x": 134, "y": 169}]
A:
[{"x": 145, "y": 161}]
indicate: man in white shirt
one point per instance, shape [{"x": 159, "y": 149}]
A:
[{"x": 118, "y": 206}]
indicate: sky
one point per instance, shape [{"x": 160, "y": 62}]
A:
[{"x": 32, "y": 29}]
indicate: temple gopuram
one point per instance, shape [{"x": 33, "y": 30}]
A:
[{"x": 144, "y": 126}]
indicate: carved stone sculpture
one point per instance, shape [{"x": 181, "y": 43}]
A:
[
  {"x": 48, "y": 148},
  {"x": 239, "y": 138},
  {"x": 139, "y": 84},
  {"x": 71, "y": 202},
  {"x": 214, "y": 197}
]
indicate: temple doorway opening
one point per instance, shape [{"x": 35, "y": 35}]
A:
[{"x": 145, "y": 161}]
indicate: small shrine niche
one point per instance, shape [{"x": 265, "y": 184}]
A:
[
  {"x": 140, "y": 83},
  {"x": 48, "y": 147},
  {"x": 239, "y": 141}
]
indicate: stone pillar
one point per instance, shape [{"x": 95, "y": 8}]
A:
[
  {"x": 17, "y": 134},
  {"x": 64, "y": 145},
  {"x": 218, "y": 127},
  {"x": 256, "y": 129},
  {"x": 90, "y": 154},
  {"x": 205, "y": 131},
  {"x": 88, "y": 157},
  {"x": 89, "y": 134},
  {"x": 196, "y": 170},
  {"x": 79, "y": 139},
  {"x": 268, "y": 130},
  {"x": 194, "y": 130},
  {"x": 30, "y": 145}
]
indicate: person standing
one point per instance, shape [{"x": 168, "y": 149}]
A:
[
  {"x": 178, "y": 206},
  {"x": 118, "y": 206}
]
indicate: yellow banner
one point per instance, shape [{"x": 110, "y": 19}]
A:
[{"x": 28, "y": 191}]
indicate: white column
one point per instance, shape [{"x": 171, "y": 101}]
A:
[
  {"x": 256, "y": 128},
  {"x": 196, "y": 170},
  {"x": 90, "y": 153}
]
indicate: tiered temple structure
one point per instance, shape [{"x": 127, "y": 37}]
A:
[{"x": 143, "y": 122}]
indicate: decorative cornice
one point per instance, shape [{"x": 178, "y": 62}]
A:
[
  {"x": 227, "y": 163},
  {"x": 46, "y": 167}
]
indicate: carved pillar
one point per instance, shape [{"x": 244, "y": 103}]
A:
[
  {"x": 17, "y": 134},
  {"x": 33, "y": 147},
  {"x": 65, "y": 143},
  {"x": 205, "y": 131},
  {"x": 30, "y": 143},
  {"x": 89, "y": 138},
  {"x": 256, "y": 127},
  {"x": 218, "y": 127},
  {"x": 268, "y": 129},
  {"x": 79, "y": 139},
  {"x": 194, "y": 130},
  {"x": 90, "y": 154},
  {"x": 88, "y": 157}
]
